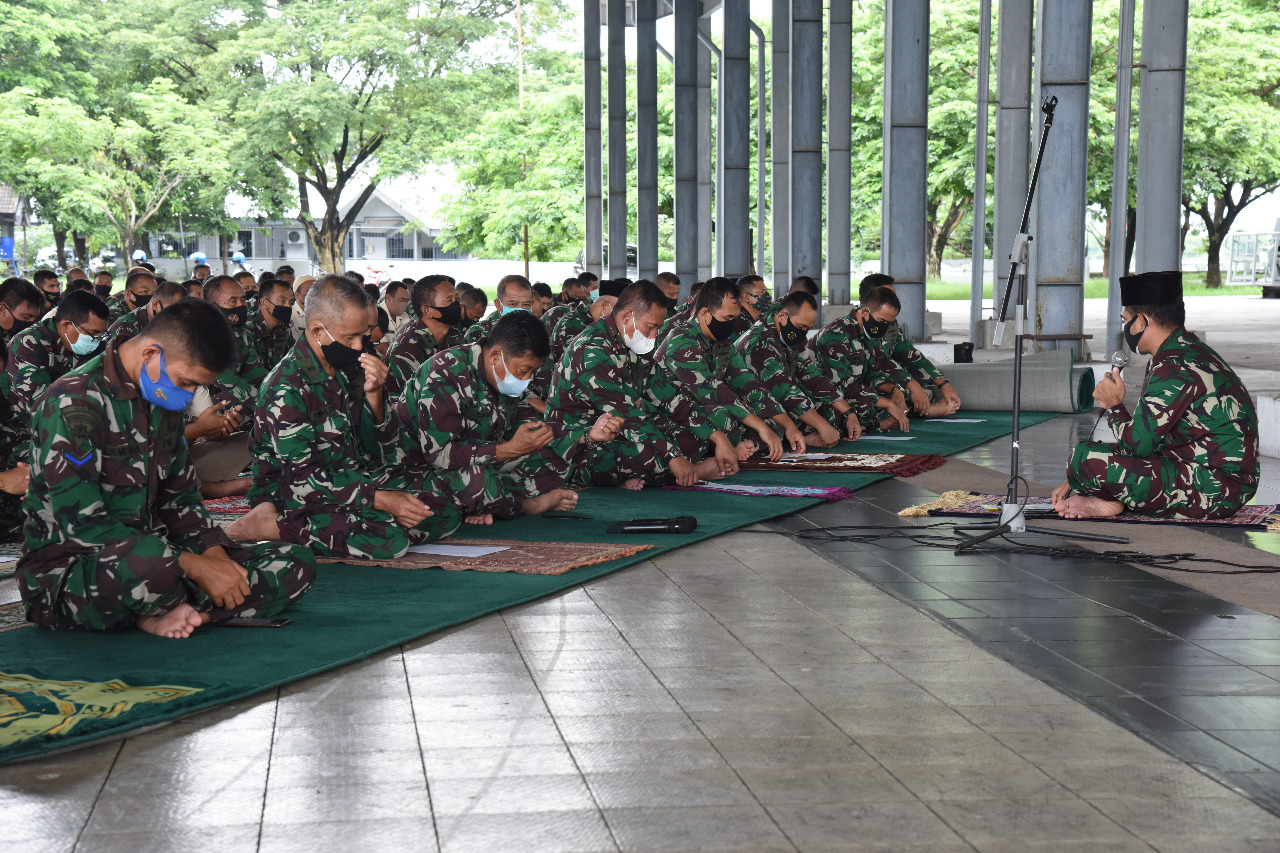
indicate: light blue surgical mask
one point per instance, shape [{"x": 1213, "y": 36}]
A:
[
  {"x": 509, "y": 384},
  {"x": 84, "y": 343},
  {"x": 162, "y": 392},
  {"x": 507, "y": 309}
]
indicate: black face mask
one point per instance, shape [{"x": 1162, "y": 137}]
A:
[
  {"x": 19, "y": 326},
  {"x": 52, "y": 298},
  {"x": 141, "y": 301},
  {"x": 235, "y": 316},
  {"x": 672, "y": 303},
  {"x": 103, "y": 290},
  {"x": 283, "y": 314},
  {"x": 875, "y": 329},
  {"x": 790, "y": 335},
  {"x": 466, "y": 323},
  {"x": 720, "y": 329},
  {"x": 451, "y": 314},
  {"x": 339, "y": 355},
  {"x": 1129, "y": 337}
]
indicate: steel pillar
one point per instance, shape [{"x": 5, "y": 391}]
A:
[
  {"x": 706, "y": 210},
  {"x": 780, "y": 137},
  {"x": 839, "y": 142},
  {"x": 687, "y": 128},
  {"x": 1014, "y": 44},
  {"x": 1120, "y": 174},
  {"x": 617, "y": 139},
  {"x": 906, "y": 157},
  {"x": 1063, "y": 44},
  {"x": 593, "y": 179},
  {"x": 735, "y": 131},
  {"x": 1161, "y": 105},
  {"x": 647, "y": 139},
  {"x": 806, "y": 138},
  {"x": 762, "y": 146},
  {"x": 978, "y": 247}
]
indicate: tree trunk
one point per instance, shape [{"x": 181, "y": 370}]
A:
[
  {"x": 60, "y": 241},
  {"x": 1213, "y": 273},
  {"x": 938, "y": 233},
  {"x": 81, "y": 243},
  {"x": 1130, "y": 236},
  {"x": 1106, "y": 247}
]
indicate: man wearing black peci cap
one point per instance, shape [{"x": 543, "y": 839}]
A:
[{"x": 1190, "y": 448}]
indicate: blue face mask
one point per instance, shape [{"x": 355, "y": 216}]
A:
[
  {"x": 509, "y": 384},
  {"x": 85, "y": 343},
  {"x": 507, "y": 309},
  {"x": 162, "y": 392}
]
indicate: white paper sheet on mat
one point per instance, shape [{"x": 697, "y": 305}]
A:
[
  {"x": 886, "y": 438},
  {"x": 456, "y": 550},
  {"x": 957, "y": 420}
]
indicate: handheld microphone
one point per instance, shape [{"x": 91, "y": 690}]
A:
[
  {"x": 679, "y": 524},
  {"x": 1119, "y": 359}
]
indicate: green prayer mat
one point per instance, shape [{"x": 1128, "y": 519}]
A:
[{"x": 59, "y": 690}]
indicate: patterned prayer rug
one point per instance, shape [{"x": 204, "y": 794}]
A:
[
  {"x": 227, "y": 506},
  {"x": 526, "y": 558},
  {"x": 896, "y": 464},
  {"x": 1256, "y": 517},
  {"x": 831, "y": 494}
]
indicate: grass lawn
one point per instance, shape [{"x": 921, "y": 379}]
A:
[{"x": 1094, "y": 288}]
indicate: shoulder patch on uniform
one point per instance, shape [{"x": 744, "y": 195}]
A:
[{"x": 82, "y": 420}]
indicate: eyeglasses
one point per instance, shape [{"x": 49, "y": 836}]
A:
[{"x": 88, "y": 335}]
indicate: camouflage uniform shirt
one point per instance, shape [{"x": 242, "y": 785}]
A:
[
  {"x": 799, "y": 385},
  {"x": 413, "y": 345},
  {"x": 714, "y": 374},
  {"x": 37, "y": 358}
]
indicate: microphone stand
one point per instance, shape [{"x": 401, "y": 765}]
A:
[{"x": 1012, "y": 517}]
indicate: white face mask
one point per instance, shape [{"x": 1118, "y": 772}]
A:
[{"x": 638, "y": 343}]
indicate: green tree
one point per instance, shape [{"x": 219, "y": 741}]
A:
[{"x": 1230, "y": 154}]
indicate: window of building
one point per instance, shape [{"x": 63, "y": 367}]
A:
[
  {"x": 396, "y": 246},
  {"x": 244, "y": 243}
]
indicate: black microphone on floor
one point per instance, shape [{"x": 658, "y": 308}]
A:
[{"x": 679, "y": 524}]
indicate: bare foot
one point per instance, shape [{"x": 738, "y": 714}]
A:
[
  {"x": 940, "y": 409},
  {"x": 635, "y": 484},
  {"x": 709, "y": 469},
  {"x": 559, "y": 499},
  {"x": 257, "y": 525},
  {"x": 225, "y": 488},
  {"x": 746, "y": 449},
  {"x": 1079, "y": 506},
  {"x": 177, "y": 624},
  {"x": 478, "y": 518}
]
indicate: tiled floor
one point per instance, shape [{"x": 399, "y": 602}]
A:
[{"x": 741, "y": 694}]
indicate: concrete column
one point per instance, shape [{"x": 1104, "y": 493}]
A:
[
  {"x": 1063, "y": 43},
  {"x": 593, "y": 180},
  {"x": 647, "y": 139},
  {"x": 687, "y": 128},
  {"x": 706, "y": 214},
  {"x": 806, "y": 138},
  {"x": 978, "y": 246},
  {"x": 906, "y": 157},
  {"x": 617, "y": 139},
  {"x": 839, "y": 140},
  {"x": 780, "y": 138},
  {"x": 1120, "y": 175},
  {"x": 1161, "y": 105},
  {"x": 735, "y": 130},
  {"x": 762, "y": 146},
  {"x": 1013, "y": 133}
]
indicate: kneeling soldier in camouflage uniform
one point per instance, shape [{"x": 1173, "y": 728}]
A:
[
  {"x": 168, "y": 293},
  {"x": 467, "y": 431},
  {"x": 1191, "y": 447},
  {"x": 320, "y": 434},
  {"x": 699, "y": 359},
  {"x": 436, "y": 327},
  {"x": 772, "y": 351},
  {"x": 607, "y": 371},
  {"x": 115, "y": 530},
  {"x": 930, "y": 392}
]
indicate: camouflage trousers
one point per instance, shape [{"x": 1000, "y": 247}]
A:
[
  {"x": 367, "y": 534},
  {"x": 868, "y": 415},
  {"x": 634, "y": 454},
  {"x": 11, "y": 518},
  {"x": 110, "y": 588},
  {"x": 1155, "y": 485},
  {"x": 499, "y": 490}
]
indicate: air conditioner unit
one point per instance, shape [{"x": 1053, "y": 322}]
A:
[{"x": 295, "y": 236}]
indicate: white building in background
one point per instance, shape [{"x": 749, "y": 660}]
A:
[{"x": 385, "y": 235}]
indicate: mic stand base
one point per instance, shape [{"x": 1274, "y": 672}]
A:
[{"x": 1005, "y": 528}]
